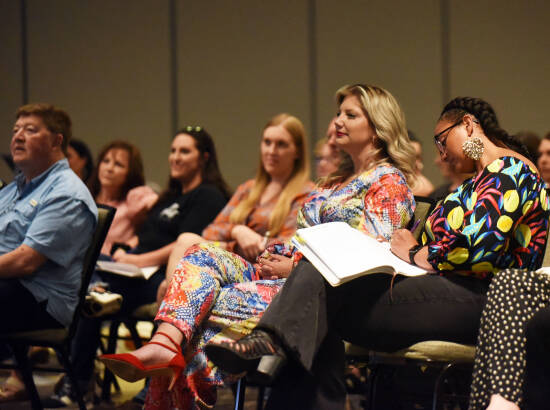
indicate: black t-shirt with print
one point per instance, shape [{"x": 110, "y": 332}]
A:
[{"x": 189, "y": 212}]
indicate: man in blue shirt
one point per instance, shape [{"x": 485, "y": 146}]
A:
[{"x": 47, "y": 217}]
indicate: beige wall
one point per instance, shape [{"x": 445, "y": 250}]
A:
[
  {"x": 382, "y": 43},
  {"x": 238, "y": 63},
  {"x": 502, "y": 54},
  {"x": 239, "y": 66},
  {"x": 10, "y": 68}
]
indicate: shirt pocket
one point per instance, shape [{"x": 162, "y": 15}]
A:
[{"x": 22, "y": 217}]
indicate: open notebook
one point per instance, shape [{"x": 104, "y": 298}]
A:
[
  {"x": 127, "y": 269},
  {"x": 341, "y": 253}
]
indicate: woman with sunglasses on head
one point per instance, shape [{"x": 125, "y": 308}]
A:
[
  {"x": 262, "y": 210},
  {"x": 216, "y": 284},
  {"x": 195, "y": 194},
  {"x": 497, "y": 219}
]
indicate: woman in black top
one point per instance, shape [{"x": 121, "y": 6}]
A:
[{"x": 196, "y": 193}]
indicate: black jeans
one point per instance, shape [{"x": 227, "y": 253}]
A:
[
  {"x": 20, "y": 309},
  {"x": 537, "y": 377},
  {"x": 311, "y": 317}
]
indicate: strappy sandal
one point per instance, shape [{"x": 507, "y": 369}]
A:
[
  {"x": 258, "y": 353},
  {"x": 130, "y": 368}
]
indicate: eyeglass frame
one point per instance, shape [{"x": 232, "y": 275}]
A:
[{"x": 442, "y": 145}]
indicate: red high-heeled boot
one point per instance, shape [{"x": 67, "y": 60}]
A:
[{"x": 130, "y": 368}]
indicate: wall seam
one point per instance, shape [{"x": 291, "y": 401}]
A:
[
  {"x": 445, "y": 51},
  {"x": 24, "y": 54},
  {"x": 312, "y": 63},
  {"x": 174, "y": 89}
]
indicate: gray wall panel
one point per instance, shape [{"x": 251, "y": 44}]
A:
[
  {"x": 395, "y": 45},
  {"x": 107, "y": 63},
  {"x": 240, "y": 63},
  {"x": 10, "y": 68},
  {"x": 500, "y": 52}
]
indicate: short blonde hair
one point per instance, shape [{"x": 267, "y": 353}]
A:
[
  {"x": 294, "y": 185},
  {"x": 388, "y": 121}
]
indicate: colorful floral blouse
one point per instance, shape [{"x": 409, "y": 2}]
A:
[
  {"x": 377, "y": 202},
  {"x": 498, "y": 219},
  {"x": 258, "y": 219}
]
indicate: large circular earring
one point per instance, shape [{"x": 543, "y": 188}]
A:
[{"x": 473, "y": 148}]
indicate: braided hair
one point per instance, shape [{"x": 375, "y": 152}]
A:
[{"x": 488, "y": 121}]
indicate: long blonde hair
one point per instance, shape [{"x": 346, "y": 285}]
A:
[
  {"x": 294, "y": 185},
  {"x": 387, "y": 119}
]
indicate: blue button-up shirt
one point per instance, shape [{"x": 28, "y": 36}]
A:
[{"x": 55, "y": 215}]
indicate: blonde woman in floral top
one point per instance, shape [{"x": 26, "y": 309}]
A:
[{"x": 497, "y": 219}]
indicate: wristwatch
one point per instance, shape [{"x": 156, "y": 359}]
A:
[{"x": 412, "y": 253}]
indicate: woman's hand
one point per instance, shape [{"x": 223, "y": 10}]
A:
[
  {"x": 120, "y": 255},
  {"x": 249, "y": 242},
  {"x": 133, "y": 241},
  {"x": 275, "y": 266},
  {"x": 401, "y": 241}
]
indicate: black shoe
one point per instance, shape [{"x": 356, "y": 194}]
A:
[
  {"x": 64, "y": 395},
  {"x": 258, "y": 353}
]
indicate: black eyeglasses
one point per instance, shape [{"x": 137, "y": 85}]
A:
[{"x": 441, "y": 144}]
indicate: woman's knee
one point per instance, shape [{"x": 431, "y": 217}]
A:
[{"x": 186, "y": 240}]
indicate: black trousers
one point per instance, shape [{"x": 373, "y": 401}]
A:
[
  {"x": 311, "y": 318},
  {"x": 20, "y": 309},
  {"x": 537, "y": 378}
]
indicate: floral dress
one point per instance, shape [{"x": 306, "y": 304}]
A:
[{"x": 216, "y": 295}]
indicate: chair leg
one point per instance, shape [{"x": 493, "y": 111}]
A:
[
  {"x": 239, "y": 394},
  {"x": 437, "y": 385},
  {"x": 65, "y": 362},
  {"x": 372, "y": 384},
  {"x": 134, "y": 333},
  {"x": 260, "y": 401},
  {"x": 108, "y": 377},
  {"x": 22, "y": 359}
]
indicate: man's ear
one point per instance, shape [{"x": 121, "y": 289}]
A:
[{"x": 57, "y": 141}]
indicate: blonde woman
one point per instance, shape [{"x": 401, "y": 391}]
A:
[
  {"x": 212, "y": 287},
  {"x": 494, "y": 220}
]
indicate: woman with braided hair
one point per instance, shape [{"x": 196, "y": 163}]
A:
[{"x": 495, "y": 220}]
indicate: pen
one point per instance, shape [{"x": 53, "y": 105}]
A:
[{"x": 415, "y": 225}]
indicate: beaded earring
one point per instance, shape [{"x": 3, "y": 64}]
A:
[{"x": 473, "y": 148}]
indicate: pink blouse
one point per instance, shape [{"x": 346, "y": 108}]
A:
[{"x": 128, "y": 215}]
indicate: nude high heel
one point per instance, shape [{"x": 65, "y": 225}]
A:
[{"x": 130, "y": 368}]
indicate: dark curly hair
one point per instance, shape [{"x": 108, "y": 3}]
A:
[{"x": 488, "y": 121}]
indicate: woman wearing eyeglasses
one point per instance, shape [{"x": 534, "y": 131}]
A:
[{"x": 497, "y": 219}]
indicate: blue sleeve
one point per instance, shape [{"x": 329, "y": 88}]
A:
[{"x": 61, "y": 228}]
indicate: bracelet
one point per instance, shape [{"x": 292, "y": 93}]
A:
[{"x": 412, "y": 253}]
